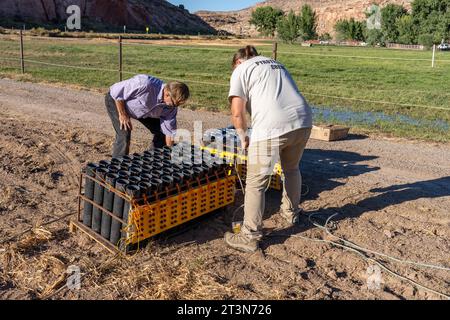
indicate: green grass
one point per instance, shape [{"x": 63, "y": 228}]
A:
[{"x": 341, "y": 78}]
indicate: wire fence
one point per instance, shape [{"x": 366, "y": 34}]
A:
[{"x": 24, "y": 62}]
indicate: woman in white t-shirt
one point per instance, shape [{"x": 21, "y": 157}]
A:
[{"x": 281, "y": 122}]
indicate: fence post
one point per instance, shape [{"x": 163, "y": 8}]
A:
[
  {"x": 22, "y": 61},
  {"x": 120, "y": 59},
  {"x": 434, "y": 56},
  {"x": 275, "y": 51}
]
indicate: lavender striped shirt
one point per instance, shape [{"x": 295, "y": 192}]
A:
[{"x": 143, "y": 96}]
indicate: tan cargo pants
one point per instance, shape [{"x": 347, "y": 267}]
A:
[{"x": 262, "y": 157}]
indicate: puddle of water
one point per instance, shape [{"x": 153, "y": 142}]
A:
[{"x": 370, "y": 118}]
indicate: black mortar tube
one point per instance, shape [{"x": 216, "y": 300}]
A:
[
  {"x": 114, "y": 168},
  {"x": 118, "y": 211},
  {"x": 146, "y": 176},
  {"x": 116, "y": 161},
  {"x": 108, "y": 204},
  {"x": 89, "y": 193},
  {"x": 124, "y": 174},
  {"x": 157, "y": 185},
  {"x": 135, "y": 171},
  {"x": 147, "y": 168},
  {"x": 105, "y": 163},
  {"x": 134, "y": 192},
  {"x": 135, "y": 180},
  {"x": 149, "y": 154},
  {"x": 100, "y": 174}
]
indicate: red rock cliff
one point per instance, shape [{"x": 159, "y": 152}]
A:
[{"x": 160, "y": 15}]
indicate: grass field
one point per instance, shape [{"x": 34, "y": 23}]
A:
[{"x": 376, "y": 90}]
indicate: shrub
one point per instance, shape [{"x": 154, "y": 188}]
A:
[
  {"x": 426, "y": 40},
  {"x": 375, "y": 37}
]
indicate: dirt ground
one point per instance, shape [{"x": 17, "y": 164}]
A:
[{"x": 392, "y": 196}]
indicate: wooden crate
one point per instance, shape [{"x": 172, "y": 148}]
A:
[{"x": 329, "y": 133}]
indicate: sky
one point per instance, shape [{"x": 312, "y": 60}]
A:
[{"x": 214, "y": 5}]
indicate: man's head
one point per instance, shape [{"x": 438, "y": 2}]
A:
[
  {"x": 176, "y": 94},
  {"x": 244, "y": 54}
]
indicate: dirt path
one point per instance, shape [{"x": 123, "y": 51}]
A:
[{"x": 392, "y": 196}]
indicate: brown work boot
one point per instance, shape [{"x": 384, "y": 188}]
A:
[
  {"x": 292, "y": 218},
  {"x": 241, "y": 242}
]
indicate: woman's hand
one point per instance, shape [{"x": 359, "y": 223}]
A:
[
  {"x": 246, "y": 142},
  {"x": 238, "y": 117}
]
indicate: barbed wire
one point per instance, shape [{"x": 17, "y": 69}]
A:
[
  {"x": 291, "y": 53},
  {"x": 226, "y": 84},
  {"x": 128, "y": 43},
  {"x": 223, "y": 84},
  {"x": 360, "y": 57},
  {"x": 10, "y": 59},
  {"x": 70, "y": 66},
  {"x": 377, "y": 102}
]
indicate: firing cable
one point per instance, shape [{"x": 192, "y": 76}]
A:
[
  {"x": 355, "y": 246},
  {"x": 349, "y": 246}
]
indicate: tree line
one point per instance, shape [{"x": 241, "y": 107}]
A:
[
  {"x": 427, "y": 23},
  {"x": 290, "y": 27}
]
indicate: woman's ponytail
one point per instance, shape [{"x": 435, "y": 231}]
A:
[
  {"x": 244, "y": 54},
  {"x": 250, "y": 52}
]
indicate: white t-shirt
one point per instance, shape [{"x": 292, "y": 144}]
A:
[{"x": 273, "y": 99}]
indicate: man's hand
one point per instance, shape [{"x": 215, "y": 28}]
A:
[
  {"x": 125, "y": 122},
  {"x": 170, "y": 141},
  {"x": 124, "y": 118}
]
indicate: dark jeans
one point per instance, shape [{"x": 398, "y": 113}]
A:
[{"x": 121, "y": 145}]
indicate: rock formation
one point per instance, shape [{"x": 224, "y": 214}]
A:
[
  {"x": 159, "y": 15},
  {"x": 328, "y": 12}
]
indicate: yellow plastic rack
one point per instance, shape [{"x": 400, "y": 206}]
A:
[
  {"x": 149, "y": 220},
  {"x": 276, "y": 182}
]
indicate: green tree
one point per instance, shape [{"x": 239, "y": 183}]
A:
[
  {"x": 407, "y": 33},
  {"x": 432, "y": 17},
  {"x": 351, "y": 30},
  {"x": 375, "y": 37},
  {"x": 426, "y": 40},
  {"x": 342, "y": 30},
  {"x": 266, "y": 19},
  {"x": 325, "y": 37},
  {"x": 308, "y": 23},
  {"x": 289, "y": 27},
  {"x": 389, "y": 16}
]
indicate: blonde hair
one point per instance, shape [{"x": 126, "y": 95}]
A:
[{"x": 178, "y": 91}]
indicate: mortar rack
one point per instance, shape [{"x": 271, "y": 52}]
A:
[{"x": 126, "y": 201}]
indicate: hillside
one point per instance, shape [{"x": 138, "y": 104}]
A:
[
  {"x": 160, "y": 15},
  {"x": 328, "y": 11}
]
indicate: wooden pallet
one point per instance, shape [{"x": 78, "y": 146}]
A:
[{"x": 75, "y": 226}]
